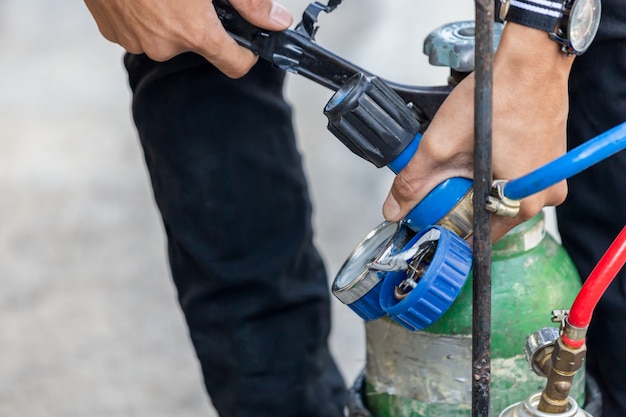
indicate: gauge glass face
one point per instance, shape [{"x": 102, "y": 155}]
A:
[
  {"x": 583, "y": 24},
  {"x": 367, "y": 251}
]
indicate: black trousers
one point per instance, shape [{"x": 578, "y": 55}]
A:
[
  {"x": 228, "y": 181},
  {"x": 595, "y": 209}
]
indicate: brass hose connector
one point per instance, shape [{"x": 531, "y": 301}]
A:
[
  {"x": 560, "y": 371},
  {"x": 499, "y": 204},
  {"x": 461, "y": 218}
]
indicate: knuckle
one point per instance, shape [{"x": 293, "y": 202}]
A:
[
  {"x": 131, "y": 46},
  {"x": 229, "y": 58},
  {"x": 441, "y": 155},
  {"x": 134, "y": 50},
  {"x": 195, "y": 39},
  {"x": 239, "y": 69},
  {"x": 529, "y": 209},
  {"x": 255, "y": 11},
  {"x": 109, "y": 34},
  {"x": 554, "y": 196},
  {"x": 158, "y": 52},
  {"x": 436, "y": 153},
  {"x": 249, "y": 4},
  {"x": 404, "y": 188},
  {"x": 559, "y": 194},
  {"x": 159, "y": 56}
]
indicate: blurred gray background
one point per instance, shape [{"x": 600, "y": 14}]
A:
[{"x": 89, "y": 324}]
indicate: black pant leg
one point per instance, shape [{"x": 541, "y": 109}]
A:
[
  {"x": 595, "y": 210},
  {"x": 228, "y": 180}
]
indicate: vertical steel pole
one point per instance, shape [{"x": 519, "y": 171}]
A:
[{"x": 481, "y": 320}]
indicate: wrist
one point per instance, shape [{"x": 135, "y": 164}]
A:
[{"x": 531, "y": 51}]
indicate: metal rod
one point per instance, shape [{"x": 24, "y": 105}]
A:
[{"x": 481, "y": 312}]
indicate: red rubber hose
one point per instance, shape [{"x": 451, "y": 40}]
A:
[{"x": 598, "y": 281}]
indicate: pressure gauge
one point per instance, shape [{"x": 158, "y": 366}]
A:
[{"x": 356, "y": 284}]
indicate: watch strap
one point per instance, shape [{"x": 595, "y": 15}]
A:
[{"x": 539, "y": 14}]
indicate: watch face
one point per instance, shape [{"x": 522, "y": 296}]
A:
[{"x": 583, "y": 23}]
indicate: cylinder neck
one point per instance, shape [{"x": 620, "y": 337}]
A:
[{"x": 522, "y": 238}]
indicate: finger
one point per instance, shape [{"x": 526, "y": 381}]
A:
[
  {"x": 266, "y": 14},
  {"x": 529, "y": 208},
  {"x": 219, "y": 48},
  {"x": 501, "y": 225},
  {"x": 231, "y": 59},
  {"x": 402, "y": 197},
  {"x": 413, "y": 184}
]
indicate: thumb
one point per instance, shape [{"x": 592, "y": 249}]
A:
[
  {"x": 414, "y": 182},
  {"x": 402, "y": 197},
  {"x": 265, "y": 14},
  {"x": 391, "y": 208}
]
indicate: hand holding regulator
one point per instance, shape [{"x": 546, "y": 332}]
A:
[{"x": 412, "y": 270}]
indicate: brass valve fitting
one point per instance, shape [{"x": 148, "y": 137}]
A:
[
  {"x": 500, "y": 204},
  {"x": 560, "y": 370},
  {"x": 461, "y": 218}
]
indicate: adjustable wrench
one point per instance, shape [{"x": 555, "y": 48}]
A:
[{"x": 297, "y": 52}]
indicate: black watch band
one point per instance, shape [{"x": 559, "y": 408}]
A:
[{"x": 538, "y": 14}]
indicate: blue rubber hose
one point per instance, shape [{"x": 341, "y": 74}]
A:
[{"x": 578, "y": 159}]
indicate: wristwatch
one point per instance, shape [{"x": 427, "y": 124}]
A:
[{"x": 573, "y": 24}]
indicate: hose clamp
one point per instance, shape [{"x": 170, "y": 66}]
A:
[
  {"x": 499, "y": 204},
  {"x": 573, "y": 332}
]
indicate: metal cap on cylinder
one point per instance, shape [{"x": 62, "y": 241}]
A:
[
  {"x": 367, "y": 116},
  {"x": 452, "y": 45}
]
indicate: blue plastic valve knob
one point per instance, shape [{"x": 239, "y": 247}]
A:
[{"x": 441, "y": 274}]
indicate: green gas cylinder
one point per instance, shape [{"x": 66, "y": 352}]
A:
[{"x": 427, "y": 373}]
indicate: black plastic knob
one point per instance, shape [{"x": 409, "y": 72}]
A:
[{"x": 367, "y": 116}]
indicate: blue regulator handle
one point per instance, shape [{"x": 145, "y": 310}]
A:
[{"x": 367, "y": 116}]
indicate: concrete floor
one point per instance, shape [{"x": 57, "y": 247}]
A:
[{"x": 89, "y": 324}]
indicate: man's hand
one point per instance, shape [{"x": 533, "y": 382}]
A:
[
  {"x": 530, "y": 107},
  {"x": 163, "y": 29}
]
